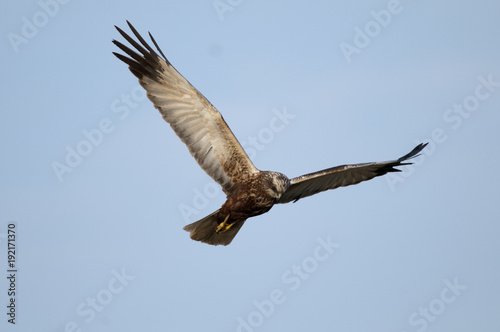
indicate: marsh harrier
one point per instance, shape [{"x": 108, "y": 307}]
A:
[{"x": 250, "y": 192}]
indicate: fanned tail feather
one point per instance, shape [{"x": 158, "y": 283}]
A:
[{"x": 204, "y": 230}]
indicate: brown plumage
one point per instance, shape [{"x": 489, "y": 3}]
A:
[{"x": 250, "y": 192}]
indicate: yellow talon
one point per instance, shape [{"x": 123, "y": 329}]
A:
[{"x": 223, "y": 226}]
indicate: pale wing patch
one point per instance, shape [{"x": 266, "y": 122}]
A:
[{"x": 197, "y": 123}]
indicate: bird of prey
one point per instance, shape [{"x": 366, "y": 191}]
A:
[{"x": 250, "y": 192}]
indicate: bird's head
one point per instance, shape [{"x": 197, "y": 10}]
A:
[{"x": 277, "y": 184}]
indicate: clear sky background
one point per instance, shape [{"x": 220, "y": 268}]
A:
[{"x": 98, "y": 187}]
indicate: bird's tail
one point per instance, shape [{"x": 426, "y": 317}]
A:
[{"x": 204, "y": 230}]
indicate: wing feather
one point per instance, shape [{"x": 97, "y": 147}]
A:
[
  {"x": 193, "y": 118},
  {"x": 341, "y": 176}
]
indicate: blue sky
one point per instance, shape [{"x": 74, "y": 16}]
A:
[{"x": 304, "y": 86}]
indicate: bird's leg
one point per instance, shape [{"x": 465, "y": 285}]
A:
[{"x": 224, "y": 226}]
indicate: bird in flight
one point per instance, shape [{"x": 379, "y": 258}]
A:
[{"x": 250, "y": 192}]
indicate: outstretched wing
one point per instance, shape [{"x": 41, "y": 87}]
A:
[
  {"x": 193, "y": 118},
  {"x": 341, "y": 176}
]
